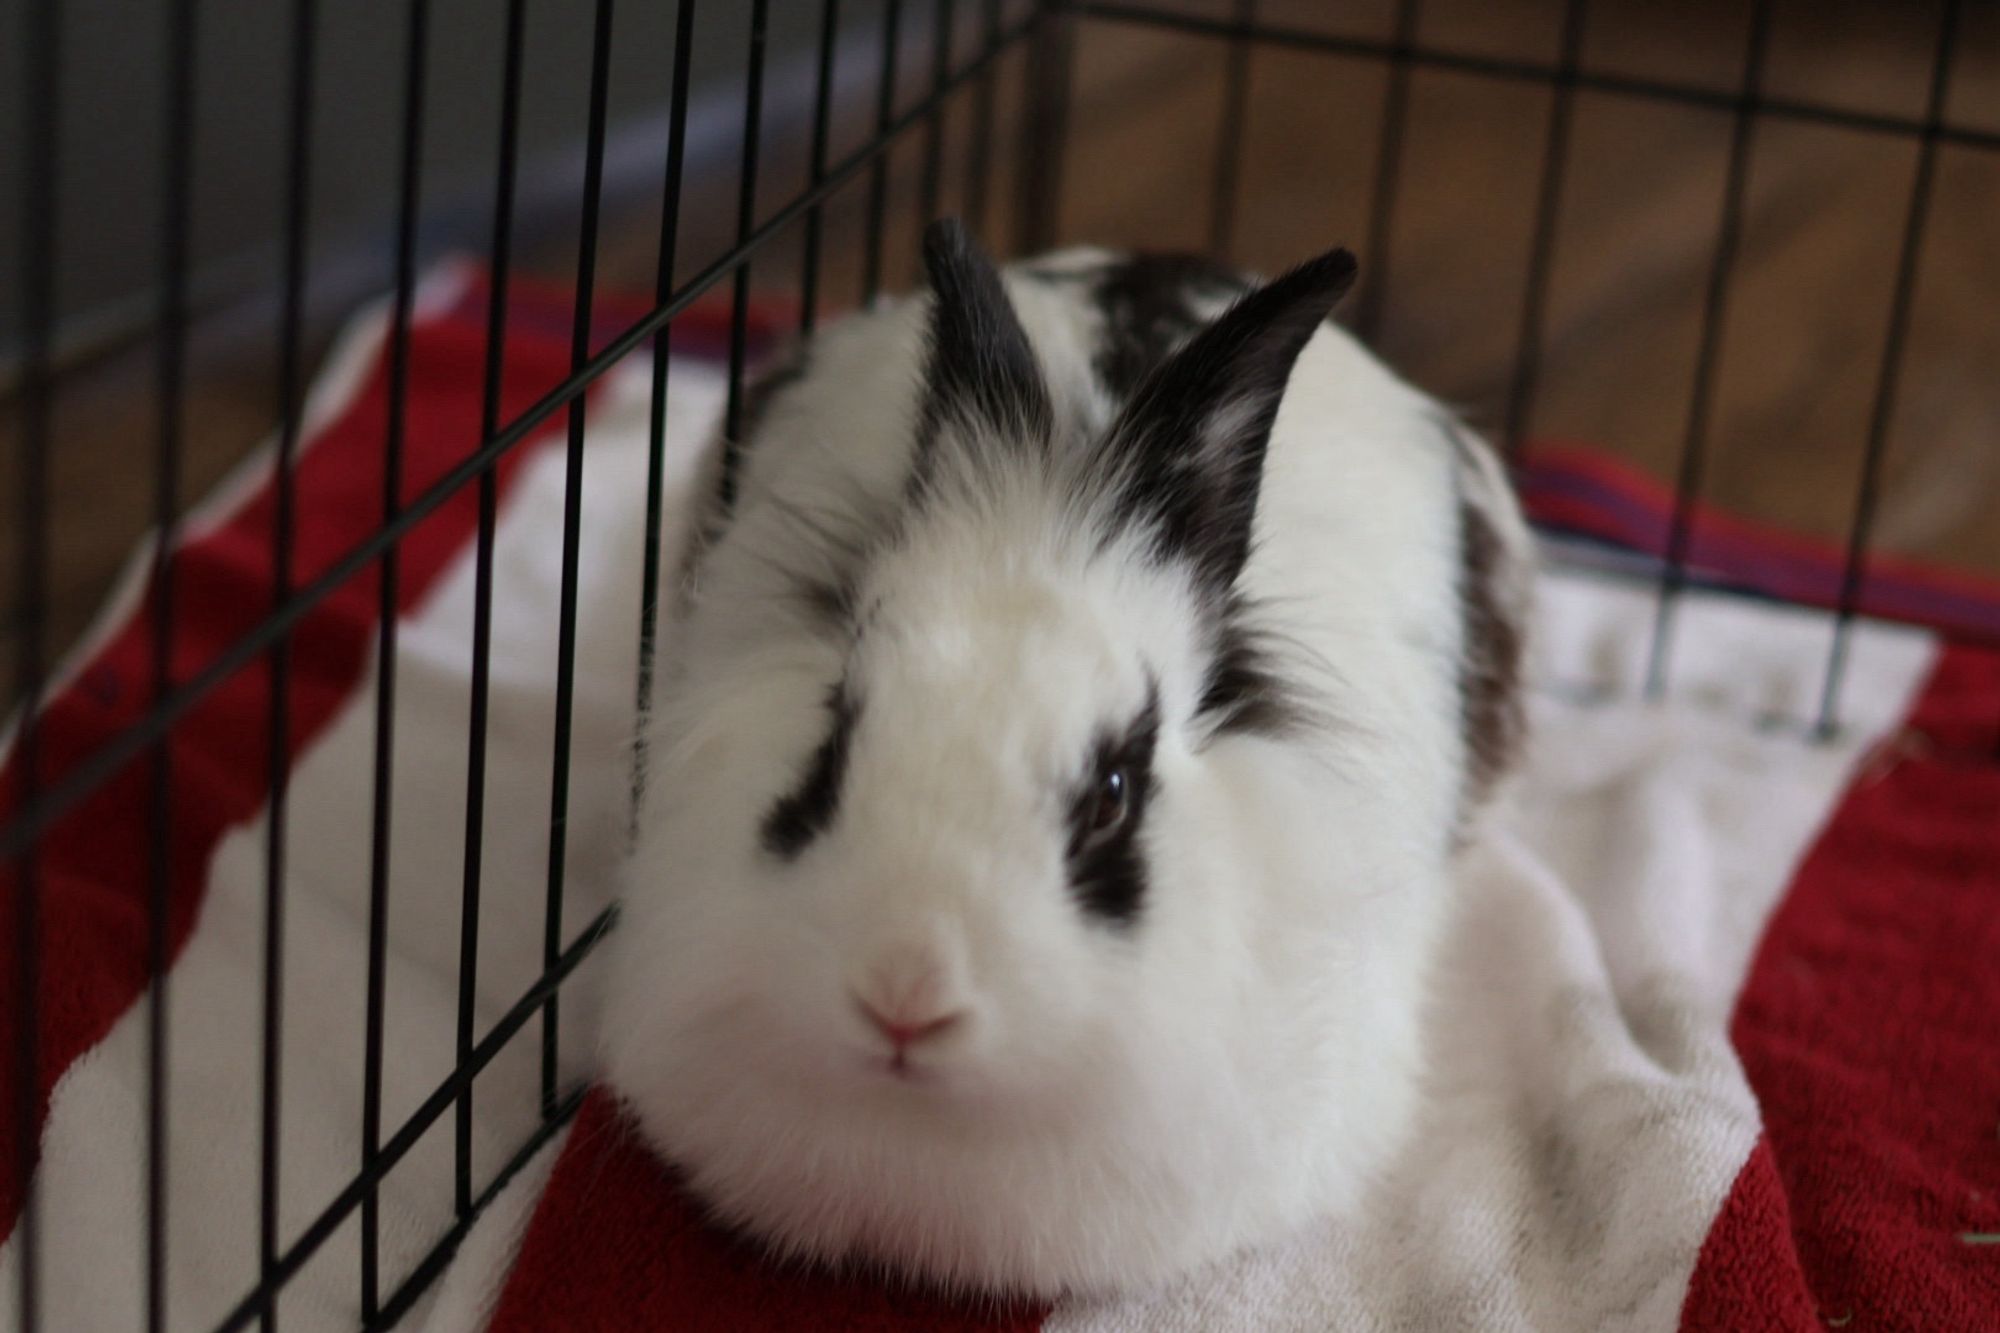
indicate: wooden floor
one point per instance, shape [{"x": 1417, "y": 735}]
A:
[{"x": 1800, "y": 351}]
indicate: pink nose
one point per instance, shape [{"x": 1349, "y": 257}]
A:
[{"x": 904, "y": 1030}]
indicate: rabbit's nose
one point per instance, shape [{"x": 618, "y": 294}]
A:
[
  {"x": 907, "y": 994},
  {"x": 904, "y": 1027}
]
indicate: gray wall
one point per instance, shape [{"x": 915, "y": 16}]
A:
[{"x": 113, "y": 89}]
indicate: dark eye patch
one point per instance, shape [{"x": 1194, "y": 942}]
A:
[
  {"x": 1107, "y": 871},
  {"x": 805, "y": 813}
]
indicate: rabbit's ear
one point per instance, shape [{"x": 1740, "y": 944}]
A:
[
  {"x": 982, "y": 379},
  {"x": 1189, "y": 446}
]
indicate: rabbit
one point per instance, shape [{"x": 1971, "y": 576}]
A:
[{"x": 1079, "y": 691}]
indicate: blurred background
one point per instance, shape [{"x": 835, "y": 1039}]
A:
[{"x": 1154, "y": 114}]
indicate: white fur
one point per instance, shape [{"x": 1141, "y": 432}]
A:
[{"x": 1116, "y": 1105}]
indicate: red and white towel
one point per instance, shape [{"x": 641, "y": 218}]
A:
[{"x": 1721, "y": 1020}]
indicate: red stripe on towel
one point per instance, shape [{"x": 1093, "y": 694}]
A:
[
  {"x": 1595, "y": 495},
  {"x": 615, "y": 1244},
  {"x": 92, "y": 861},
  {"x": 1870, "y": 1029}
]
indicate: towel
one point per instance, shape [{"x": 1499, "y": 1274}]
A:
[{"x": 1716, "y": 1026}]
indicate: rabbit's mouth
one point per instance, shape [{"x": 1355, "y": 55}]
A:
[{"x": 902, "y": 1067}]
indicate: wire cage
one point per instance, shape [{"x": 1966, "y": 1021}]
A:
[{"x": 863, "y": 121}]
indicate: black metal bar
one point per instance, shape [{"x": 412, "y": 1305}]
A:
[
  {"x": 586, "y": 282},
  {"x": 878, "y": 175},
  {"x": 87, "y": 774},
  {"x": 1532, "y": 71},
  {"x": 1908, "y": 264},
  {"x": 1541, "y": 258},
  {"x": 1229, "y": 136},
  {"x": 656, "y": 451},
  {"x": 1045, "y": 127},
  {"x": 41, "y": 129},
  {"x": 1388, "y": 168},
  {"x": 746, "y": 222},
  {"x": 829, "y": 31},
  {"x": 291, "y": 381},
  {"x": 440, "y": 1255},
  {"x": 386, "y": 604},
  {"x": 979, "y": 165},
  {"x": 930, "y": 183},
  {"x": 178, "y": 130},
  {"x": 1714, "y": 321},
  {"x": 398, "y": 1145},
  {"x": 482, "y": 590}
]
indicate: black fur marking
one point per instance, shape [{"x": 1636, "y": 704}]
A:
[
  {"x": 1245, "y": 693},
  {"x": 830, "y": 601},
  {"x": 1108, "y": 872},
  {"x": 803, "y": 815},
  {"x": 1149, "y": 307},
  {"x": 1190, "y": 444},
  {"x": 982, "y": 371},
  {"x": 1490, "y": 674}
]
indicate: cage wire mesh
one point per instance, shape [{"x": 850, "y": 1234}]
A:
[{"x": 873, "y": 119}]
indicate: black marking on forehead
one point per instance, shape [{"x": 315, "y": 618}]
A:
[
  {"x": 829, "y": 601},
  {"x": 1108, "y": 874},
  {"x": 1245, "y": 691},
  {"x": 807, "y": 811},
  {"x": 1149, "y": 303}
]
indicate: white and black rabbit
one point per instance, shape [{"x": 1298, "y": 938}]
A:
[{"x": 1075, "y": 705}]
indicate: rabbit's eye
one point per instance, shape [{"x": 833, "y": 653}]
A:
[
  {"x": 1111, "y": 803},
  {"x": 1107, "y": 808}
]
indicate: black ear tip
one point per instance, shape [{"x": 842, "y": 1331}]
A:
[
  {"x": 1326, "y": 278},
  {"x": 947, "y": 247},
  {"x": 946, "y": 233}
]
